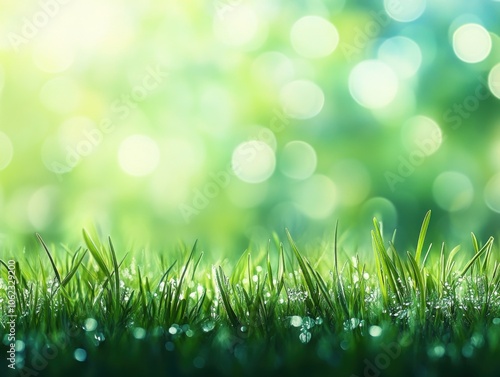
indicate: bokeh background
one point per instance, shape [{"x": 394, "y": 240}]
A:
[{"x": 226, "y": 120}]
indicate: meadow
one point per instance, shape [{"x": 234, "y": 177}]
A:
[{"x": 424, "y": 312}]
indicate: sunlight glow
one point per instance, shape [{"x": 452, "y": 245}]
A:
[
  {"x": 302, "y": 99},
  {"x": 314, "y": 37},
  {"x": 138, "y": 155},
  {"x": 253, "y": 161},
  {"x": 472, "y": 43},
  {"x": 298, "y": 160},
  {"x": 405, "y": 11},
  {"x": 373, "y": 84}
]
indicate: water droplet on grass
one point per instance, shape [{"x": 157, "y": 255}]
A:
[
  {"x": 295, "y": 321},
  {"x": 375, "y": 331},
  {"x": 307, "y": 323},
  {"x": 208, "y": 326},
  {"x": 305, "y": 337},
  {"x": 90, "y": 324},
  {"x": 80, "y": 354},
  {"x": 172, "y": 330},
  {"x": 139, "y": 333},
  {"x": 352, "y": 324}
]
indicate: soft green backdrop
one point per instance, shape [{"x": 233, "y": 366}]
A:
[{"x": 225, "y": 120}]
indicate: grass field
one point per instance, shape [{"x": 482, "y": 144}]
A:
[{"x": 431, "y": 311}]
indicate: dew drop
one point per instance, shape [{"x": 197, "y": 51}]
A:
[
  {"x": 208, "y": 326},
  {"x": 305, "y": 337},
  {"x": 80, "y": 354},
  {"x": 296, "y": 321}
]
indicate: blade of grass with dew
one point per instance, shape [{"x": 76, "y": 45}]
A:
[
  {"x": 486, "y": 246},
  {"x": 386, "y": 263},
  {"x": 340, "y": 285},
  {"x": 220, "y": 277},
  {"x": 305, "y": 271},
  {"x": 419, "y": 280},
  {"x": 176, "y": 306}
]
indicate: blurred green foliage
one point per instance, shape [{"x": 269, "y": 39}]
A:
[{"x": 227, "y": 120}]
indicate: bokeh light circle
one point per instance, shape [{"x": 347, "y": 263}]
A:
[
  {"x": 494, "y": 80},
  {"x": 472, "y": 43},
  {"x": 453, "y": 191},
  {"x": 421, "y": 133},
  {"x": 238, "y": 26},
  {"x": 402, "y": 54},
  {"x": 492, "y": 193},
  {"x": 302, "y": 99},
  {"x": 298, "y": 160},
  {"x": 373, "y": 84},
  {"x": 6, "y": 151},
  {"x": 253, "y": 161},
  {"x": 314, "y": 37},
  {"x": 138, "y": 155},
  {"x": 405, "y": 11},
  {"x": 80, "y": 355},
  {"x": 316, "y": 197},
  {"x": 261, "y": 133}
]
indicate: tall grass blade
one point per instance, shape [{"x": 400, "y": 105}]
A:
[
  {"x": 421, "y": 236},
  {"x": 58, "y": 276},
  {"x": 220, "y": 277},
  {"x": 486, "y": 247},
  {"x": 95, "y": 253}
]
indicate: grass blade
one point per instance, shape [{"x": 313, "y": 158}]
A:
[
  {"x": 73, "y": 269},
  {"x": 304, "y": 269},
  {"x": 95, "y": 253},
  {"x": 58, "y": 276},
  {"x": 486, "y": 247},
  {"x": 116, "y": 270},
  {"x": 421, "y": 237},
  {"x": 220, "y": 277}
]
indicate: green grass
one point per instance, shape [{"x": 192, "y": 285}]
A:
[{"x": 424, "y": 312}]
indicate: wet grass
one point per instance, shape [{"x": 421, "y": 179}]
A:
[{"x": 427, "y": 312}]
